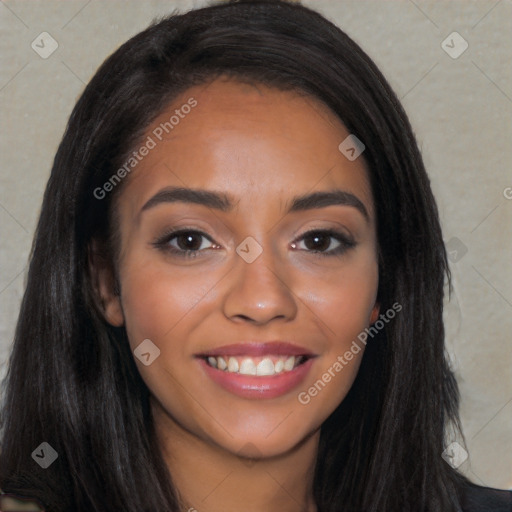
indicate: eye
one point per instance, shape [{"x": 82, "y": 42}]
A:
[
  {"x": 188, "y": 243},
  {"x": 184, "y": 242},
  {"x": 321, "y": 241}
]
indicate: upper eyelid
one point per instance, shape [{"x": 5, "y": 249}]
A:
[{"x": 336, "y": 231}]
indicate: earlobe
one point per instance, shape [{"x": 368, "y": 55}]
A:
[
  {"x": 375, "y": 313},
  {"x": 107, "y": 295},
  {"x": 113, "y": 312}
]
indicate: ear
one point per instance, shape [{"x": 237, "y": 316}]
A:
[
  {"x": 375, "y": 313},
  {"x": 105, "y": 286}
]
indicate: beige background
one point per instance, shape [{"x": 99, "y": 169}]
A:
[{"x": 461, "y": 112}]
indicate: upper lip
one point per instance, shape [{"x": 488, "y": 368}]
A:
[{"x": 254, "y": 348}]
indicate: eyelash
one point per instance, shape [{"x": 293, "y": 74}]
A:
[{"x": 162, "y": 242}]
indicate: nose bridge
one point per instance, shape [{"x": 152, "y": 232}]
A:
[
  {"x": 259, "y": 262},
  {"x": 258, "y": 289}
]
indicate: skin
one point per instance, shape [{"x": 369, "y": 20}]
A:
[{"x": 263, "y": 147}]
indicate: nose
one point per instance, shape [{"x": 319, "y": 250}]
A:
[{"x": 258, "y": 292}]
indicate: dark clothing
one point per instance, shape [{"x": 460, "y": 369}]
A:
[
  {"x": 474, "y": 499},
  {"x": 485, "y": 499}
]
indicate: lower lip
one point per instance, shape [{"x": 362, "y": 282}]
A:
[{"x": 249, "y": 386}]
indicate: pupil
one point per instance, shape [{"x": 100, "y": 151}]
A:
[
  {"x": 189, "y": 244},
  {"x": 316, "y": 238}
]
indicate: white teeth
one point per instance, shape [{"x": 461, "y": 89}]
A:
[
  {"x": 261, "y": 367},
  {"x": 279, "y": 366},
  {"x": 289, "y": 363},
  {"x": 248, "y": 367},
  {"x": 265, "y": 367},
  {"x": 233, "y": 364}
]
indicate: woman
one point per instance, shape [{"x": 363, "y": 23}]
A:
[{"x": 235, "y": 293}]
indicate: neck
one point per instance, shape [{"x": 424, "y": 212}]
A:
[{"x": 209, "y": 478}]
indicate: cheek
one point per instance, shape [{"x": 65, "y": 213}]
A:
[
  {"x": 342, "y": 305},
  {"x": 343, "y": 300},
  {"x": 155, "y": 297}
]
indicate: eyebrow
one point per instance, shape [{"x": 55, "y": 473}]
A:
[{"x": 224, "y": 203}]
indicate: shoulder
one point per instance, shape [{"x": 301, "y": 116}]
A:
[
  {"x": 475, "y": 498},
  {"x": 12, "y": 503}
]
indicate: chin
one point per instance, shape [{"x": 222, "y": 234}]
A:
[{"x": 258, "y": 445}]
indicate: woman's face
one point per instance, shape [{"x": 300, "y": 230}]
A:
[{"x": 255, "y": 291}]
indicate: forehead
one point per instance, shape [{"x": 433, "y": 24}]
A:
[{"x": 253, "y": 142}]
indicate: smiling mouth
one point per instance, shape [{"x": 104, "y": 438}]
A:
[{"x": 256, "y": 366}]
